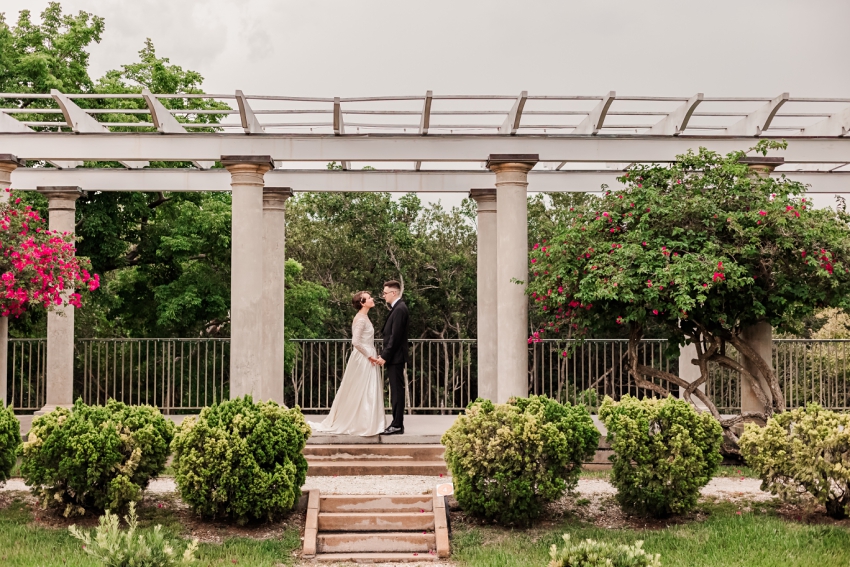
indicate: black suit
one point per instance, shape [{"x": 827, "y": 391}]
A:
[{"x": 396, "y": 355}]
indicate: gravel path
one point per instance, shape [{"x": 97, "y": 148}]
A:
[{"x": 721, "y": 487}]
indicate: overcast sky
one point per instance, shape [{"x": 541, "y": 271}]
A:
[{"x": 381, "y": 47}]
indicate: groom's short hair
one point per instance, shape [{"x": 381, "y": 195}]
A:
[{"x": 392, "y": 284}]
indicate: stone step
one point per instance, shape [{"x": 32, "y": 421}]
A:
[
  {"x": 372, "y": 467},
  {"x": 407, "y": 452},
  {"x": 375, "y": 522},
  {"x": 380, "y": 542},
  {"x": 374, "y": 503},
  {"x": 376, "y": 557}
]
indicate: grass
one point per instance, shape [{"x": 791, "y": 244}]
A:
[
  {"x": 736, "y": 471},
  {"x": 758, "y": 538},
  {"x": 26, "y": 544}
]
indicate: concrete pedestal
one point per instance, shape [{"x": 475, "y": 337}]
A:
[
  {"x": 487, "y": 276},
  {"x": 512, "y": 265},
  {"x": 274, "y": 262},
  {"x": 60, "y": 321},
  {"x": 246, "y": 279}
]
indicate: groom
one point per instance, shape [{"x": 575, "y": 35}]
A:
[{"x": 395, "y": 355}]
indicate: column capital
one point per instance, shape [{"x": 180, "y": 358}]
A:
[
  {"x": 275, "y": 197},
  {"x": 485, "y": 199},
  {"x": 10, "y": 159},
  {"x": 260, "y": 164},
  {"x": 61, "y": 192},
  {"x": 761, "y": 165},
  {"x": 512, "y": 162}
]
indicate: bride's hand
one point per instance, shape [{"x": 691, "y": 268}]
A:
[{"x": 373, "y": 360}]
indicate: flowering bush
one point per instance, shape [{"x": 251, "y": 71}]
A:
[
  {"x": 95, "y": 457},
  {"x": 664, "y": 453},
  {"x": 507, "y": 460},
  {"x": 592, "y": 553},
  {"x": 10, "y": 440},
  {"x": 804, "y": 450},
  {"x": 698, "y": 250},
  {"x": 38, "y": 266},
  {"x": 241, "y": 460},
  {"x": 116, "y": 548}
]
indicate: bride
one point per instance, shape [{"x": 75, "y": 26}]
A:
[{"x": 358, "y": 407}]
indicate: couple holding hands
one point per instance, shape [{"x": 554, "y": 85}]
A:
[{"x": 358, "y": 407}]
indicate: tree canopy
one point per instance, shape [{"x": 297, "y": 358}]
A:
[{"x": 700, "y": 249}]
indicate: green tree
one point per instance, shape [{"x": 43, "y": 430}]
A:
[{"x": 702, "y": 249}]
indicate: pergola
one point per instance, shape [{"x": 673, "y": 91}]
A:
[{"x": 496, "y": 148}]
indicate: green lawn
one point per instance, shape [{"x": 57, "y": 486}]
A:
[
  {"x": 25, "y": 544},
  {"x": 724, "y": 539}
]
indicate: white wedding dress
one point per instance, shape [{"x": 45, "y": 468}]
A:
[{"x": 358, "y": 407}]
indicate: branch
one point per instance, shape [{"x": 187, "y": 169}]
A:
[
  {"x": 162, "y": 199},
  {"x": 764, "y": 368}
]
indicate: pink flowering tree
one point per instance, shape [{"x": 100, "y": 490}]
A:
[
  {"x": 697, "y": 250},
  {"x": 38, "y": 266}
]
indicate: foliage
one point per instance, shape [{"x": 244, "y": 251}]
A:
[
  {"x": 702, "y": 249},
  {"x": 806, "y": 450},
  {"x": 95, "y": 457},
  {"x": 507, "y": 460},
  {"x": 116, "y": 548},
  {"x": 241, "y": 460},
  {"x": 349, "y": 242},
  {"x": 39, "y": 266},
  {"x": 664, "y": 452},
  {"x": 35, "y": 58},
  {"x": 305, "y": 310},
  {"x": 592, "y": 553},
  {"x": 10, "y": 440}
]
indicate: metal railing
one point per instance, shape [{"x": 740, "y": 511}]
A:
[
  {"x": 441, "y": 375},
  {"x": 184, "y": 375}
]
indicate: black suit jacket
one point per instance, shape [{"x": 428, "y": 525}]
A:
[{"x": 395, "y": 335}]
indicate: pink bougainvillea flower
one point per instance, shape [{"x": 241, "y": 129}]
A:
[{"x": 763, "y": 213}]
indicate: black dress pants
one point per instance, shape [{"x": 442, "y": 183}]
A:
[{"x": 395, "y": 375}]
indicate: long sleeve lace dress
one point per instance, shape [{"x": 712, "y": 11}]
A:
[{"x": 358, "y": 407}]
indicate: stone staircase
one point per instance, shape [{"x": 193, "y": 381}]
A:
[
  {"x": 376, "y": 528},
  {"x": 375, "y": 459}
]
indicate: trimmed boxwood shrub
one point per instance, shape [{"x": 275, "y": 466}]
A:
[
  {"x": 804, "y": 450},
  {"x": 664, "y": 452},
  {"x": 507, "y": 460},
  {"x": 10, "y": 440},
  {"x": 592, "y": 553},
  {"x": 95, "y": 457},
  {"x": 241, "y": 460}
]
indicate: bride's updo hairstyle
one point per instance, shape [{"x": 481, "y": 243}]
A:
[{"x": 359, "y": 299}]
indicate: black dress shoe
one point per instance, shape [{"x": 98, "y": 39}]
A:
[{"x": 393, "y": 431}]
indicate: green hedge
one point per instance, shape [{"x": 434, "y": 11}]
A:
[
  {"x": 10, "y": 440},
  {"x": 664, "y": 452},
  {"x": 241, "y": 460},
  {"x": 804, "y": 450},
  {"x": 95, "y": 457},
  {"x": 507, "y": 460}
]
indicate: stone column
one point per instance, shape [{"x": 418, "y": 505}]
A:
[
  {"x": 246, "y": 278},
  {"x": 62, "y": 207},
  {"x": 8, "y": 164},
  {"x": 690, "y": 372},
  {"x": 760, "y": 335},
  {"x": 274, "y": 261},
  {"x": 488, "y": 345},
  {"x": 512, "y": 252}
]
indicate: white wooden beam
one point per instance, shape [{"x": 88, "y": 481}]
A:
[
  {"x": 511, "y": 123},
  {"x": 593, "y": 122},
  {"x": 339, "y": 127},
  {"x": 9, "y": 125},
  {"x": 675, "y": 123},
  {"x": 125, "y": 146},
  {"x": 836, "y": 125},
  {"x": 758, "y": 121},
  {"x": 424, "y": 122},
  {"x": 167, "y": 124},
  {"x": 318, "y": 180},
  {"x": 249, "y": 121},
  {"x": 80, "y": 122}
]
